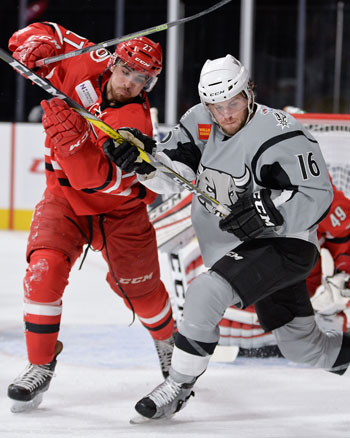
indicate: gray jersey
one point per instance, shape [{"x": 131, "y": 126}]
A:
[{"x": 272, "y": 151}]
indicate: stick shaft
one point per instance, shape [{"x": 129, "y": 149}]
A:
[
  {"x": 48, "y": 87},
  {"x": 140, "y": 33}
]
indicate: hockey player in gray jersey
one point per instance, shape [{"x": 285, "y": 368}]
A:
[{"x": 268, "y": 170}]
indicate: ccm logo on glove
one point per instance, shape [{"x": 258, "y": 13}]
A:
[
  {"x": 251, "y": 215},
  {"x": 261, "y": 210}
]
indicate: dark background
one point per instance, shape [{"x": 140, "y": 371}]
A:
[{"x": 211, "y": 36}]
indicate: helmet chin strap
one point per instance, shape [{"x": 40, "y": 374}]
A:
[{"x": 251, "y": 102}]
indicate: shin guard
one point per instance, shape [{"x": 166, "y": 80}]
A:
[{"x": 44, "y": 285}]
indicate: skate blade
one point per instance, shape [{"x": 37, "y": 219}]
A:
[
  {"x": 25, "y": 406},
  {"x": 140, "y": 419}
]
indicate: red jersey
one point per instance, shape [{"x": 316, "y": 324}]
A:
[
  {"x": 90, "y": 182},
  {"x": 334, "y": 235}
]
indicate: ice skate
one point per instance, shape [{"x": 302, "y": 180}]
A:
[
  {"x": 27, "y": 388},
  {"x": 165, "y": 351},
  {"x": 165, "y": 400}
]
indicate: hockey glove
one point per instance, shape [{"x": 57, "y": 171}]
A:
[
  {"x": 34, "y": 48},
  {"x": 67, "y": 129},
  {"x": 251, "y": 215},
  {"x": 126, "y": 155}
]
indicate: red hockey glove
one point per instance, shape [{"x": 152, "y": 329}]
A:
[
  {"x": 251, "y": 215},
  {"x": 67, "y": 129},
  {"x": 34, "y": 48},
  {"x": 126, "y": 155},
  {"x": 342, "y": 262}
]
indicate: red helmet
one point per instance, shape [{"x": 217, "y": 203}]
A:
[{"x": 141, "y": 54}]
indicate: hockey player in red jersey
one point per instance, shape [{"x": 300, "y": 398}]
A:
[
  {"x": 330, "y": 293},
  {"x": 333, "y": 235},
  {"x": 88, "y": 199}
]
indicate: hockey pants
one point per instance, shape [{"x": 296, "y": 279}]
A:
[{"x": 127, "y": 242}]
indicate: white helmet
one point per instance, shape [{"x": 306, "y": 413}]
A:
[{"x": 222, "y": 79}]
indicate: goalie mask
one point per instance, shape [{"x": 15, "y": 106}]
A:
[
  {"x": 222, "y": 79},
  {"x": 142, "y": 55}
]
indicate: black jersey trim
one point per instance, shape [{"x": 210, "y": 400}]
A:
[
  {"x": 65, "y": 182},
  {"x": 272, "y": 142},
  {"x": 49, "y": 167},
  {"x": 190, "y": 156},
  {"x": 338, "y": 239},
  {"x": 322, "y": 217},
  {"x": 274, "y": 176}
]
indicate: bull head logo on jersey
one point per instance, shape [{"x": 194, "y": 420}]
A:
[{"x": 221, "y": 186}]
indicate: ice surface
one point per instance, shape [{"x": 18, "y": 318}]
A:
[{"x": 106, "y": 366}]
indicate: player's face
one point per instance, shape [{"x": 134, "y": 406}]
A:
[
  {"x": 125, "y": 83},
  {"x": 232, "y": 114}
]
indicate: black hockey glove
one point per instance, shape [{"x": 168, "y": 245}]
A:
[
  {"x": 126, "y": 155},
  {"x": 250, "y": 216}
]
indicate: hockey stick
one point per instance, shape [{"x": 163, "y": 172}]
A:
[
  {"x": 155, "y": 124},
  {"x": 144, "y": 32},
  {"x": 47, "y": 86}
]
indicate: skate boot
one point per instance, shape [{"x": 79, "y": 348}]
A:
[
  {"x": 165, "y": 351},
  {"x": 27, "y": 389},
  {"x": 165, "y": 400}
]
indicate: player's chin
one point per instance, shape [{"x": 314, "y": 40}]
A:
[
  {"x": 231, "y": 128},
  {"x": 123, "y": 97}
]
